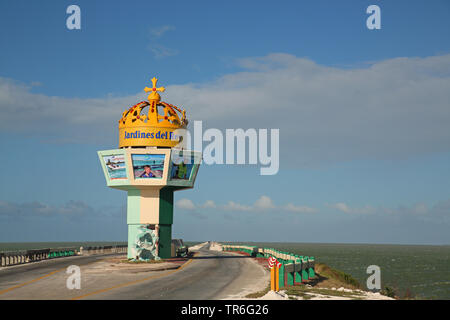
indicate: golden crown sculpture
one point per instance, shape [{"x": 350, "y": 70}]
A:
[{"x": 154, "y": 129}]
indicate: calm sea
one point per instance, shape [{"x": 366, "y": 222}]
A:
[{"x": 423, "y": 270}]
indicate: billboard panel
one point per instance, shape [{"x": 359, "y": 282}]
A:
[
  {"x": 183, "y": 167},
  {"x": 115, "y": 166},
  {"x": 148, "y": 166}
]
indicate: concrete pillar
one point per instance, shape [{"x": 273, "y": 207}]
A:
[
  {"x": 151, "y": 209},
  {"x": 297, "y": 277},
  {"x": 304, "y": 270},
  {"x": 311, "y": 272},
  {"x": 290, "y": 278},
  {"x": 282, "y": 276}
]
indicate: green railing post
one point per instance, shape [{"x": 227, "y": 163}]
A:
[
  {"x": 281, "y": 276},
  {"x": 311, "y": 270},
  {"x": 305, "y": 269}
]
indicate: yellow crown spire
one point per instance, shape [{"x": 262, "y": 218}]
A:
[
  {"x": 154, "y": 127},
  {"x": 154, "y": 95}
]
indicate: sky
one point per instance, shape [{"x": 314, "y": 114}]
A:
[{"x": 363, "y": 116}]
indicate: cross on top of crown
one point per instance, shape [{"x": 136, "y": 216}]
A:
[{"x": 154, "y": 90}]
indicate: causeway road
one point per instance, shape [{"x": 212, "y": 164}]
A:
[{"x": 207, "y": 275}]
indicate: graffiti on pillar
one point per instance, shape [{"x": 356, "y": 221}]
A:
[{"x": 146, "y": 244}]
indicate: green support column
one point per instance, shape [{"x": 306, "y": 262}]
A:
[
  {"x": 166, "y": 221},
  {"x": 165, "y": 241},
  {"x": 290, "y": 278},
  {"x": 133, "y": 220},
  {"x": 281, "y": 276},
  {"x": 305, "y": 270},
  {"x": 297, "y": 277},
  {"x": 132, "y": 233},
  {"x": 136, "y": 227},
  {"x": 312, "y": 273}
]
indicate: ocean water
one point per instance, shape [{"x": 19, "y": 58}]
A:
[
  {"x": 422, "y": 270},
  {"x": 141, "y": 164},
  {"x": 118, "y": 173}
]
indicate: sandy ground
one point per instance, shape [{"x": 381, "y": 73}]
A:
[
  {"x": 215, "y": 246},
  {"x": 358, "y": 294},
  {"x": 264, "y": 280},
  {"x": 198, "y": 246},
  {"x": 253, "y": 278}
]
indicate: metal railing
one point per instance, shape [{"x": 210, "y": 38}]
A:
[
  {"x": 10, "y": 258},
  {"x": 294, "y": 269},
  {"x": 103, "y": 249}
]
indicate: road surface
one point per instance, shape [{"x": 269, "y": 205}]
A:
[{"x": 207, "y": 275}]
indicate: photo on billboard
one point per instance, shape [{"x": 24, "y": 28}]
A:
[
  {"x": 182, "y": 166},
  {"x": 115, "y": 166},
  {"x": 148, "y": 166}
]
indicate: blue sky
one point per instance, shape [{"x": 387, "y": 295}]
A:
[{"x": 363, "y": 116}]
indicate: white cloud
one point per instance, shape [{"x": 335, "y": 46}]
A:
[
  {"x": 264, "y": 203},
  {"x": 160, "y": 51},
  {"x": 437, "y": 212},
  {"x": 158, "y": 32},
  {"x": 420, "y": 209},
  {"x": 233, "y": 206},
  {"x": 392, "y": 108},
  {"x": 62, "y": 119},
  {"x": 36, "y": 208},
  {"x": 209, "y": 204},
  {"x": 186, "y": 204},
  {"x": 343, "y": 207},
  {"x": 301, "y": 209}
]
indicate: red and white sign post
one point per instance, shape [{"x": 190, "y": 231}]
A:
[{"x": 274, "y": 266}]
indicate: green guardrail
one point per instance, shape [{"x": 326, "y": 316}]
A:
[
  {"x": 56, "y": 253},
  {"x": 294, "y": 269}
]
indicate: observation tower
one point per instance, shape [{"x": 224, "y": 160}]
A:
[{"x": 150, "y": 165}]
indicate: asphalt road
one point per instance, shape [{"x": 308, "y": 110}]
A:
[{"x": 208, "y": 275}]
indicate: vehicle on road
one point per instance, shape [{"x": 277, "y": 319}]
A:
[{"x": 179, "y": 249}]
